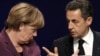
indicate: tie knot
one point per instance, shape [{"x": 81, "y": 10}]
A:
[{"x": 81, "y": 41}]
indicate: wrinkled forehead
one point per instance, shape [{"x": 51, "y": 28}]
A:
[{"x": 73, "y": 14}]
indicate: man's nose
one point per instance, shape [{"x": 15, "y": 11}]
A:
[{"x": 70, "y": 25}]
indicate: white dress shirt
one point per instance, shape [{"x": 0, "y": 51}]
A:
[{"x": 87, "y": 45}]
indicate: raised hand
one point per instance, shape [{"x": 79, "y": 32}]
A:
[{"x": 49, "y": 53}]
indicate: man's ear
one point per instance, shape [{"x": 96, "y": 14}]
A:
[{"x": 89, "y": 20}]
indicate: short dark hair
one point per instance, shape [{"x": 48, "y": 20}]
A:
[{"x": 84, "y": 5}]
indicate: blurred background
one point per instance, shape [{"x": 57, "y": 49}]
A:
[{"x": 55, "y": 19}]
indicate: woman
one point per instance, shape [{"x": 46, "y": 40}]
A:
[{"x": 17, "y": 37}]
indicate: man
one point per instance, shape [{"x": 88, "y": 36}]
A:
[
  {"x": 17, "y": 37},
  {"x": 79, "y": 14}
]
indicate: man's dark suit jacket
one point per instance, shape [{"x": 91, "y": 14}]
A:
[
  {"x": 65, "y": 45},
  {"x": 7, "y": 49}
]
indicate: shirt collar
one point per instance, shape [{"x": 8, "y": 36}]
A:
[{"x": 89, "y": 37}]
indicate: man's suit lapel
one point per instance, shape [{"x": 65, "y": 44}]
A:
[
  {"x": 69, "y": 45},
  {"x": 96, "y": 44}
]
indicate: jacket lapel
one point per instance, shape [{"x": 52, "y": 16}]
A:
[
  {"x": 96, "y": 44},
  {"x": 10, "y": 48},
  {"x": 69, "y": 46}
]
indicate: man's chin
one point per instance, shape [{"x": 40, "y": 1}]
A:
[{"x": 74, "y": 36}]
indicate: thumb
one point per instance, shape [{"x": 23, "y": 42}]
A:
[
  {"x": 76, "y": 52},
  {"x": 55, "y": 50}
]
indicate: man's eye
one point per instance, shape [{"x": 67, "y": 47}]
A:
[{"x": 75, "y": 21}]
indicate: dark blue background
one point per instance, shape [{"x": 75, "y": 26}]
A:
[{"x": 55, "y": 20}]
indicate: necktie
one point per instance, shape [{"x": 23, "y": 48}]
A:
[{"x": 81, "y": 49}]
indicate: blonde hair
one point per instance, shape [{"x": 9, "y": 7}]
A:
[{"x": 24, "y": 13}]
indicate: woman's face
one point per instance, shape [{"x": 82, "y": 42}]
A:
[{"x": 27, "y": 32}]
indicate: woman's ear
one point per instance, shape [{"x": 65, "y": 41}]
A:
[{"x": 21, "y": 26}]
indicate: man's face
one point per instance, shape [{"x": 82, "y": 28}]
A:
[{"x": 77, "y": 26}]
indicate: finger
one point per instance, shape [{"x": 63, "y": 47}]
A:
[
  {"x": 46, "y": 50},
  {"x": 55, "y": 50},
  {"x": 76, "y": 53}
]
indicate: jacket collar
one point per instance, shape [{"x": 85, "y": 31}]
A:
[{"x": 8, "y": 44}]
